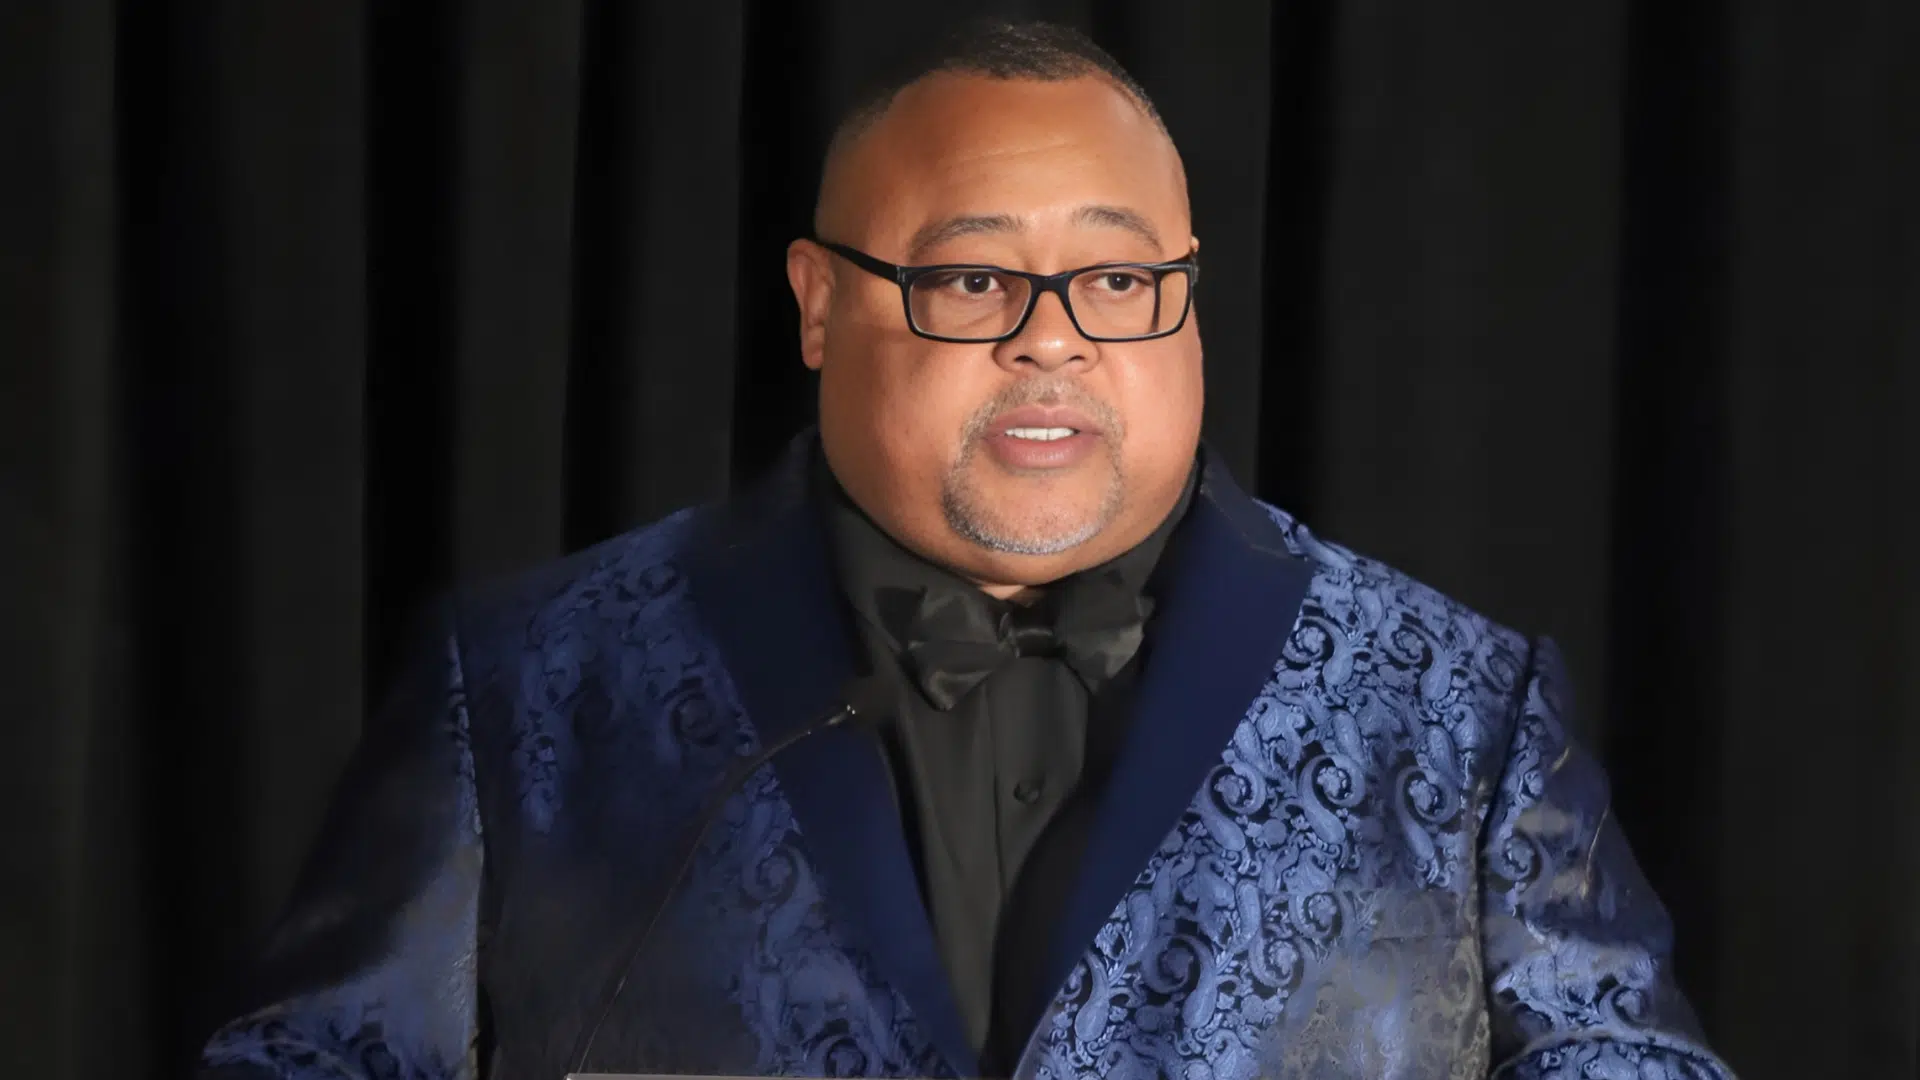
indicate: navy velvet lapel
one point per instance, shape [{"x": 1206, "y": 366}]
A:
[
  {"x": 1232, "y": 597},
  {"x": 761, "y": 575}
]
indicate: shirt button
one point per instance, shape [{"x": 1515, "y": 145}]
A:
[{"x": 1029, "y": 791}]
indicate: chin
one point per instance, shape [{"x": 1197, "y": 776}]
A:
[
  {"x": 1041, "y": 530},
  {"x": 1040, "y": 545},
  {"x": 1033, "y": 516}
]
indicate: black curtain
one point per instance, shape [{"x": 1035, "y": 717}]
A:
[{"x": 1604, "y": 317}]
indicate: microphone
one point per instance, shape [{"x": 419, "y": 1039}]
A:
[{"x": 864, "y": 706}]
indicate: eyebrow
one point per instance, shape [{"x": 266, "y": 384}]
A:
[
  {"x": 940, "y": 232},
  {"x": 1118, "y": 217},
  {"x": 1093, "y": 215}
]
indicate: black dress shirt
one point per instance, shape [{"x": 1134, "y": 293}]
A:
[{"x": 1008, "y": 717}]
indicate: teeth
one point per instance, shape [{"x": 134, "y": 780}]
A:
[{"x": 1041, "y": 434}]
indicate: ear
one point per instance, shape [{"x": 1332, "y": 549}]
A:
[{"x": 811, "y": 276}]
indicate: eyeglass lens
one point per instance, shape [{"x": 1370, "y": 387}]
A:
[{"x": 981, "y": 303}]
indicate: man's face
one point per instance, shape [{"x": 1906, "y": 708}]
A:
[{"x": 956, "y": 449}]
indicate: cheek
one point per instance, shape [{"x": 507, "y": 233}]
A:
[
  {"x": 913, "y": 402},
  {"x": 942, "y": 385},
  {"x": 1162, "y": 397}
]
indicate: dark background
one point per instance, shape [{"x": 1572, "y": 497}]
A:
[{"x": 1604, "y": 316}]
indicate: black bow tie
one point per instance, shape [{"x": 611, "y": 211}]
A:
[{"x": 955, "y": 640}]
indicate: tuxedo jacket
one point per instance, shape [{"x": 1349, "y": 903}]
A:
[{"x": 1346, "y": 836}]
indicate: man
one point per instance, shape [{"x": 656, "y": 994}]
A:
[{"x": 998, "y": 733}]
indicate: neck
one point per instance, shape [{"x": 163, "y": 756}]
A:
[{"x": 1017, "y": 594}]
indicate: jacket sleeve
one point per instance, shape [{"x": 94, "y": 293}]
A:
[
  {"x": 371, "y": 970},
  {"x": 1576, "y": 945}
]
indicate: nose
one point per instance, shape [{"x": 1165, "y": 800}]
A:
[{"x": 1048, "y": 342}]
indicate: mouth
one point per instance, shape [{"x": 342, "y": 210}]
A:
[
  {"x": 1035, "y": 438},
  {"x": 1042, "y": 423},
  {"x": 1040, "y": 434}
]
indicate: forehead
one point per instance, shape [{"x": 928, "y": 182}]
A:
[{"x": 1038, "y": 152}]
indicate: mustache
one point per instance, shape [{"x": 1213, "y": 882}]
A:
[{"x": 1046, "y": 391}]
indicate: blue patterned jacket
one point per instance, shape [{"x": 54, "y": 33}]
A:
[{"x": 1347, "y": 837}]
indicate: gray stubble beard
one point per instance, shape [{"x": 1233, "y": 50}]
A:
[{"x": 965, "y": 509}]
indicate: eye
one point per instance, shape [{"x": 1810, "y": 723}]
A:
[
  {"x": 964, "y": 282},
  {"x": 1117, "y": 283}
]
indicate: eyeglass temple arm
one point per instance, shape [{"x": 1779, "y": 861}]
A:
[{"x": 877, "y": 267}]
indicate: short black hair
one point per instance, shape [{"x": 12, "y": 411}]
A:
[{"x": 997, "y": 48}]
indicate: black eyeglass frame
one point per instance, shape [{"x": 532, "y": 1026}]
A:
[{"x": 905, "y": 276}]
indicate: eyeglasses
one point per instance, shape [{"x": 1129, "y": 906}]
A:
[{"x": 970, "y": 303}]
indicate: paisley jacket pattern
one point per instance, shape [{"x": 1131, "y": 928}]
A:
[{"x": 1348, "y": 837}]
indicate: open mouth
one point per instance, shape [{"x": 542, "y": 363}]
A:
[
  {"x": 1040, "y": 438},
  {"x": 1041, "y": 434}
]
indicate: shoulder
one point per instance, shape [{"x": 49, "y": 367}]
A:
[
  {"x": 612, "y": 588},
  {"x": 1366, "y": 624},
  {"x": 579, "y": 666}
]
